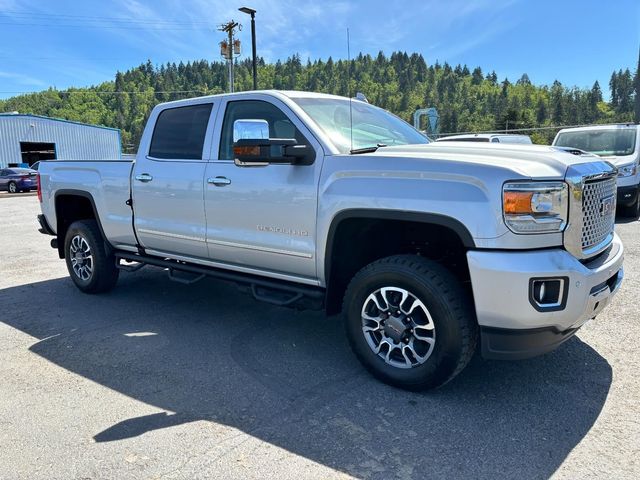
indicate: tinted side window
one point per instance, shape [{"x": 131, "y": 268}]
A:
[
  {"x": 279, "y": 124},
  {"x": 179, "y": 132}
]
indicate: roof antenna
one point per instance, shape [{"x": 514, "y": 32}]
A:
[{"x": 349, "y": 92}]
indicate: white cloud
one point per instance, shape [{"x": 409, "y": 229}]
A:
[
  {"x": 427, "y": 26},
  {"x": 22, "y": 79},
  {"x": 284, "y": 27}
]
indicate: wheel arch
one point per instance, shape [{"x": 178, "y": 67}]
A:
[
  {"x": 72, "y": 205},
  {"x": 347, "y": 222}
]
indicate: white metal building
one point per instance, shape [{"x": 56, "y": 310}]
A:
[{"x": 26, "y": 139}]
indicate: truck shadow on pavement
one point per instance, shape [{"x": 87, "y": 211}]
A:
[{"x": 207, "y": 352}]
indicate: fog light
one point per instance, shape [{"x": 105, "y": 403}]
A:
[{"x": 548, "y": 294}]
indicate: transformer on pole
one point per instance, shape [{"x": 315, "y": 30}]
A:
[{"x": 230, "y": 48}]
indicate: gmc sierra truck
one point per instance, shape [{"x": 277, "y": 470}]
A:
[{"x": 429, "y": 250}]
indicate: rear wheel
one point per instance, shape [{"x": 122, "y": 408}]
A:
[
  {"x": 410, "y": 322},
  {"x": 13, "y": 187},
  {"x": 90, "y": 267}
]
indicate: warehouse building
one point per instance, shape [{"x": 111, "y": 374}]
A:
[{"x": 26, "y": 139}]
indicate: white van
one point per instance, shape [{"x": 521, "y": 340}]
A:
[
  {"x": 618, "y": 144},
  {"x": 488, "y": 137}
]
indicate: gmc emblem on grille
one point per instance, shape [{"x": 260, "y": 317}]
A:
[{"x": 607, "y": 205}]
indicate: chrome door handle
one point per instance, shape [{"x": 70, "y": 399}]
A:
[
  {"x": 144, "y": 177},
  {"x": 219, "y": 181}
]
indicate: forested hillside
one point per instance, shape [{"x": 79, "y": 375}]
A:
[{"x": 467, "y": 99}]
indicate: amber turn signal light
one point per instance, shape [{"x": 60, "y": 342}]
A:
[
  {"x": 516, "y": 203},
  {"x": 242, "y": 151}
]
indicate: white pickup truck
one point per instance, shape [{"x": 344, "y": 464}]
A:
[{"x": 312, "y": 200}]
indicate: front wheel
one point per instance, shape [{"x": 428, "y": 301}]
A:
[
  {"x": 410, "y": 322},
  {"x": 91, "y": 268}
]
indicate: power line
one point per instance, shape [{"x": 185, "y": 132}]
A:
[
  {"x": 104, "y": 27},
  {"x": 40, "y": 16}
]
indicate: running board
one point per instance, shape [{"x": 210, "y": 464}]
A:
[{"x": 275, "y": 292}]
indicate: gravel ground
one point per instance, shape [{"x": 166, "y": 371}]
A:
[{"x": 162, "y": 380}]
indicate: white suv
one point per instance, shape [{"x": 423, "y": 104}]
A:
[
  {"x": 488, "y": 137},
  {"x": 618, "y": 144}
]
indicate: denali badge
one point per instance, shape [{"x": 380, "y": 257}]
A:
[
  {"x": 282, "y": 230},
  {"x": 607, "y": 205}
]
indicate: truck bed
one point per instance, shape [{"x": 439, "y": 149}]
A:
[{"x": 106, "y": 183}]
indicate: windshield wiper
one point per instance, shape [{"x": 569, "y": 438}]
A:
[{"x": 371, "y": 149}]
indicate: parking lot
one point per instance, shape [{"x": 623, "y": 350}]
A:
[{"x": 162, "y": 380}]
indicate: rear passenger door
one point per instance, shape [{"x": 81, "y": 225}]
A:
[{"x": 168, "y": 182}]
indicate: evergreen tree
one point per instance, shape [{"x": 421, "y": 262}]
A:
[
  {"x": 594, "y": 98},
  {"x": 541, "y": 112},
  {"x": 476, "y": 76},
  {"x": 557, "y": 103},
  {"x": 613, "y": 87}
]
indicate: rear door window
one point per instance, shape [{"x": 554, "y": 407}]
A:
[{"x": 180, "y": 132}]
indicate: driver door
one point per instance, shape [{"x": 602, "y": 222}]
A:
[{"x": 262, "y": 218}]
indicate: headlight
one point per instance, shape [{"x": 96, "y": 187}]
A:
[
  {"x": 627, "y": 170},
  {"x": 535, "y": 207}
]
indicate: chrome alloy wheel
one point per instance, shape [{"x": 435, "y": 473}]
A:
[
  {"x": 81, "y": 257},
  {"x": 398, "y": 327}
]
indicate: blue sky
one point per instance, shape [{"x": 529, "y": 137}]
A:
[{"x": 79, "y": 43}]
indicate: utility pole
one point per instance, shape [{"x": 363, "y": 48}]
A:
[{"x": 229, "y": 48}]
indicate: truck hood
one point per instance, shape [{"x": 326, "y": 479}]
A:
[
  {"x": 532, "y": 161},
  {"x": 619, "y": 160}
]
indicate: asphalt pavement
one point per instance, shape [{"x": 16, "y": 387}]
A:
[{"x": 162, "y": 380}]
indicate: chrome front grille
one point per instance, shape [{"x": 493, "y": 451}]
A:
[
  {"x": 592, "y": 208},
  {"x": 598, "y": 211}
]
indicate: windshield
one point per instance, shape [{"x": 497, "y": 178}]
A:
[
  {"x": 608, "y": 142},
  {"x": 371, "y": 125}
]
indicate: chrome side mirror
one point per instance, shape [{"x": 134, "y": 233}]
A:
[{"x": 250, "y": 129}]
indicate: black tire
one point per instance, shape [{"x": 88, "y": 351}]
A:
[
  {"x": 12, "y": 187},
  {"x": 103, "y": 272},
  {"x": 632, "y": 211},
  {"x": 448, "y": 304}
]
